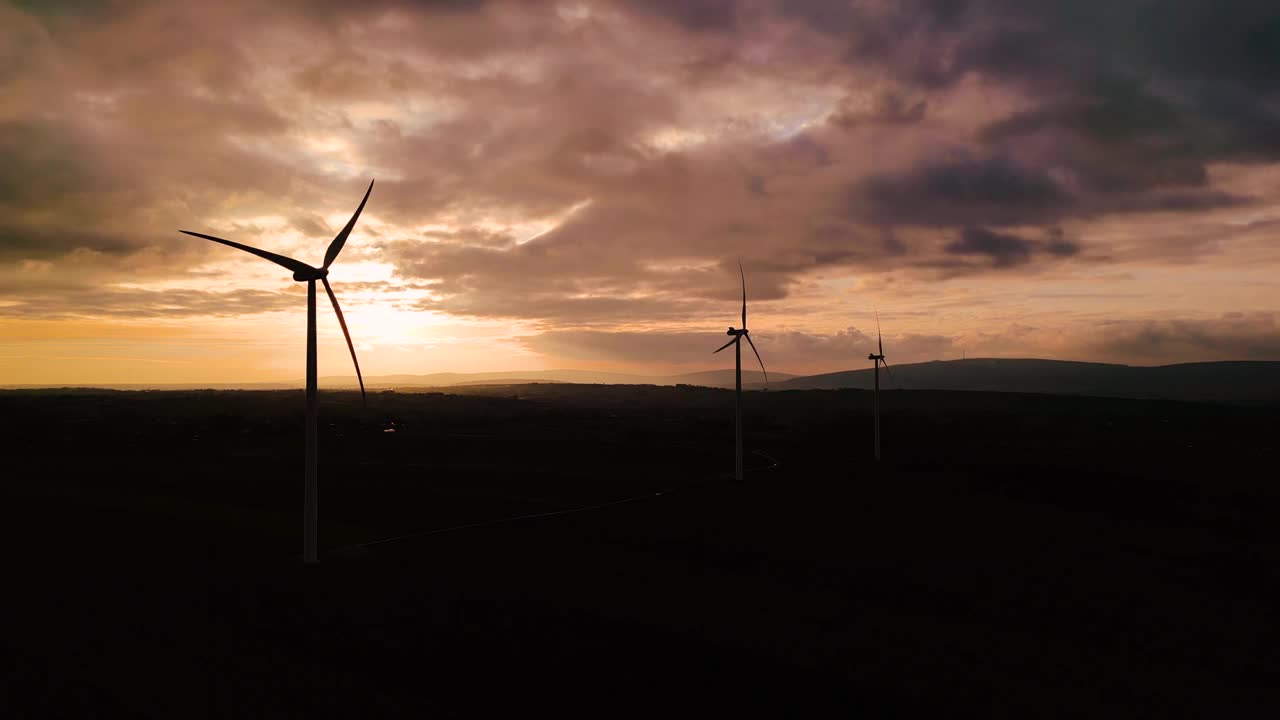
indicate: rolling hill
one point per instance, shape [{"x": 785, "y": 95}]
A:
[{"x": 1242, "y": 382}]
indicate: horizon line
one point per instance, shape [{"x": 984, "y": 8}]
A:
[{"x": 289, "y": 383}]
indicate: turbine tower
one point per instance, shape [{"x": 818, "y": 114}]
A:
[
  {"x": 738, "y": 335},
  {"x": 876, "y": 362},
  {"x": 303, "y": 272}
]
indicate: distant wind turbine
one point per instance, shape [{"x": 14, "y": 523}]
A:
[
  {"x": 303, "y": 272},
  {"x": 738, "y": 335},
  {"x": 876, "y": 362}
]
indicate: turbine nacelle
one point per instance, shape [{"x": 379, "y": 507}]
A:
[
  {"x": 311, "y": 273},
  {"x": 734, "y": 332}
]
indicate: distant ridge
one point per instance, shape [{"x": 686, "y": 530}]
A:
[
  {"x": 710, "y": 378},
  {"x": 1237, "y": 382}
]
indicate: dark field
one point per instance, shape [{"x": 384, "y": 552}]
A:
[{"x": 1014, "y": 554}]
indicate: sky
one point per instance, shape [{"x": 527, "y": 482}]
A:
[{"x": 572, "y": 184}]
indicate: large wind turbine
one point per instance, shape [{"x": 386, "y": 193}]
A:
[
  {"x": 738, "y": 335},
  {"x": 876, "y": 362},
  {"x": 303, "y": 272}
]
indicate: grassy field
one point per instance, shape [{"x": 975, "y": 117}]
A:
[{"x": 566, "y": 548}]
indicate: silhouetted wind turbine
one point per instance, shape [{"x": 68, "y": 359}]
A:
[
  {"x": 876, "y": 362},
  {"x": 738, "y": 335},
  {"x": 303, "y": 272}
]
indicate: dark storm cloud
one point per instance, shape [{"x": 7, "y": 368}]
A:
[
  {"x": 1007, "y": 250},
  {"x": 1004, "y": 250},
  {"x": 1056, "y": 42},
  {"x": 960, "y": 188},
  {"x": 1057, "y": 244},
  {"x": 699, "y": 15},
  {"x": 1182, "y": 81},
  {"x": 888, "y": 109},
  {"x": 1082, "y": 158},
  {"x": 1128, "y": 101},
  {"x": 1110, "y": 111},
  {"x": 1132, "y": 149},
  {"x": 915, "y": 38},
  {"x": 446, "y": 6}
]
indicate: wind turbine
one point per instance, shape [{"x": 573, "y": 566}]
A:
[
  {"x": 303, "y": 272},
  {"x": 738, "y": 335},
  {"x": 876, "y": 362}
]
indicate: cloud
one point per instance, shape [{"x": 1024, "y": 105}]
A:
[
  {"x": 80, "y": 302},
  {"x": 1233, "y": 336},
  {"x": 1004, "y": 250},
  {"x": 45, "y": 162},
  {"x": 1130, "y": 109},
  {"x": 1007, "y": 250},
  {"x": 961, "y": 188},
  {"x": 598, "y": 165},
  {"x": 702, "y": 15},
  {"x": 24, "y": 242},
  {"x": 1057, "y": 244},
  {"x": 888, "y": 108}
]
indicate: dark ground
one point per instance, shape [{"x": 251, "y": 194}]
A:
[{"x": 1013, "y": 555}]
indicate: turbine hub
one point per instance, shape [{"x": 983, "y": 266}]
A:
[{"x": 312, "y": 274}]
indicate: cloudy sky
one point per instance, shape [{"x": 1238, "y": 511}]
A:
[{"x": 570, "y": 184}]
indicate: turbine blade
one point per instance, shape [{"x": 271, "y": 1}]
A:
[
  {"x": 757, "y": 352},
  {"x": 335, "y": 247},
  {"x": 343, "y": 322},
  {"x": 886, "y": 369},
  {"x": 879, "y": 341},
  {"x": 744, "y": 295},
  {"x": 281, "y": 260},
  {"x": 734, "y": 340}
]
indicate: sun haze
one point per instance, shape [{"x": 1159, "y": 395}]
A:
[{"x": 572, "y": 184}]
